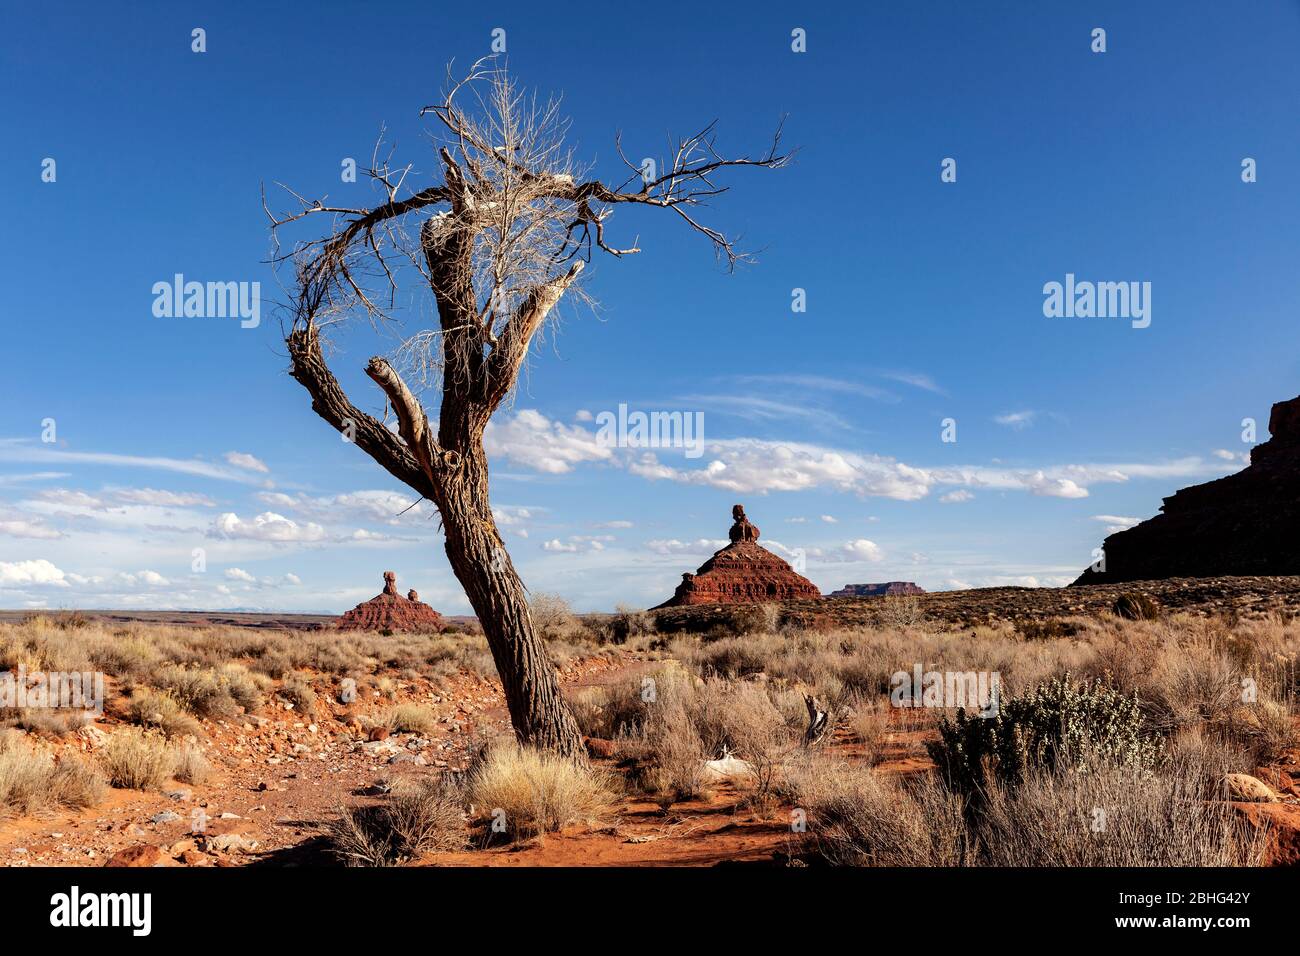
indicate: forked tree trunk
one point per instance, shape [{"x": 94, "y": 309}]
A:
[{"x": 478, "y": 557}]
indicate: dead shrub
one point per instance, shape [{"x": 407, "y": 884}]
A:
[
  {"x": 33, "y": 779},
  {"x": 425, "y": 816}
]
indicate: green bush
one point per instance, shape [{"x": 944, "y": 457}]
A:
[{"x": 1061, "y": 725}]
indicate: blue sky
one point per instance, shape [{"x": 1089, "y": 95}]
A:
[{"x": 924, "y": 298}]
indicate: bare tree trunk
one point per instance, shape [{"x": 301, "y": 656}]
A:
[
  {"x": 519, "y": 224},
  {"x": 539, "y": 713}
]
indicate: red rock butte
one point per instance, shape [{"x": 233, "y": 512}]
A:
[
  {"x": 1243, "y": 525},
  {"x": 742, "y": 573},
  {"x": 389, "y": 611},
  {"x": 884, "y": 589}
]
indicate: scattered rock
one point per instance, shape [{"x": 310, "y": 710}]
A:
[
  {"x": 1248, "y": 789},
  {"x": 229, "y": 843},
  {"x": 137, "y": 856},
  {"x": 167, "y": 816}
]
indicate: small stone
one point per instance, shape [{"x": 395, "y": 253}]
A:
[
  {"x": 140, "y": 855},
  {"x": 1248, "y": 789}
]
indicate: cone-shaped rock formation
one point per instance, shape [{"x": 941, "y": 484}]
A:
[
  {"x": 742, "y": 573},
  {"x": 389, "y": 611}
]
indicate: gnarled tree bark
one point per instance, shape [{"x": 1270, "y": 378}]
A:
[{"x": 512, "y": 230}]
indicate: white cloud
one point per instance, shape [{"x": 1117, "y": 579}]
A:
[
  {"x": 21, "y": 528},
  {"x": 162, "y": 499},
  {"x": 534, "y": 441},
  {"x": 864, "y": 550},
  {"x": 246, "y": 461},
  {"x": 38, "y": 572},
  {"x": 555, "y": 544},
  {"x": 239, "y": 574},
  {"x": 1116, "y": 523},
  {"x": 21, "y": 450},
  {"x": 145, "y": 578},
  {"x": 71, "y": 499},
  {"x": 583, "y": 415},
  {"x": 956, "y": 497},
  {"x": 916, "y": 380},
  {"x": 293, "y": 579},
  {"x": 268, "y": 526},
  {"x": 830, "y": 519},
  {"x": 700, "y": 546},
  {"x": 1016, "y": 420},
  {"x": 390, "y": 507},
  {"x": 1040, "y": 484},
  {"x": 613, "y": 524}
]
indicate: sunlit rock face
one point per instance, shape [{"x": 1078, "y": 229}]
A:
[{"x": 742, "y": 573}]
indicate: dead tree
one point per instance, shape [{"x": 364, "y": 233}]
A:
[{"x": 496, "y": 244}]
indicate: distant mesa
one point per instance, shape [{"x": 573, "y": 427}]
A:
[
  {"x": 389, "y": 611},
  {"x": 887, "y": 589},
  {"x": 742, "y": 573},
  {"x": 1241, "y": 525}
]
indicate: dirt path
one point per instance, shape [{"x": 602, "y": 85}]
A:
[{"x": 277, "y": 777}]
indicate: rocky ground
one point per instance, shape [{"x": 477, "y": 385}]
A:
[{"x": 281, "y": 775}]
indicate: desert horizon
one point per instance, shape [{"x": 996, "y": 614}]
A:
[{"x": 485, "y": 461}]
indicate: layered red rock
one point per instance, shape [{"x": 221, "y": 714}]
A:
[
  {"x": 885, "y": 589},
  {"x": 389, "y": 611},
  {"x": 1244, "y": 524},
  {"x": 743, "y": 572}
]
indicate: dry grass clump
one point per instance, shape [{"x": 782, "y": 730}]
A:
[
  {"x": 524, "y": 792},
  {"x": 33, "y": 779},
  {"x": 189, "y": 765},
  {"x": 298, "y": 691},
  {"x": 1108, "y": 817},
  {"x": 409, "y": 719},
  {"x": 136, "y": 759},
  {"x": 214, "y": 693},
  {"x": 676, "y": 723},
  {"x": 856, "y": 817},
  {"x": 152, "y": 709},
  {"x": 424, "y": 816},
  {"x": 1116, "y": 818}
]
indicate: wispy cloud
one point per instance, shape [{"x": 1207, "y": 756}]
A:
[
  {"x": 246, "y": 461},
  {"x": 915, "y": 379},
  {"x": 1017, "y": 420},
  {"x": 21, "y": 450}
]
